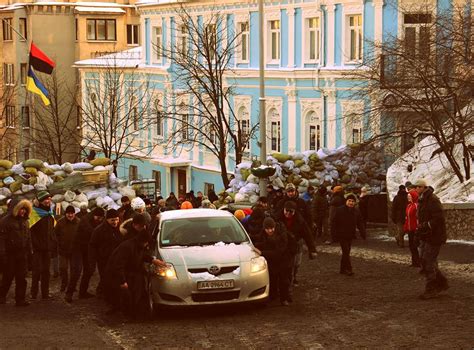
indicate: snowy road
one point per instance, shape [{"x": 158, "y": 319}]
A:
[{"x": 377, "y": 308}]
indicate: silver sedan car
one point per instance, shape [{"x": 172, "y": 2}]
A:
[{"x": 210, "y": 260}]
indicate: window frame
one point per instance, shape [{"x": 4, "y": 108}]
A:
[
  {"x": 244, "y": 37},
  {"x": 132, "y": 173},
  {"x": 160, "y": 120},
  {"x": 182, "y": 39},
  {"x": 28, "y": 117},
  {"x": 359, "y": 34},
  {"x": 271, "y": 32},
  {"x": 96, "y": 30},
  {"x": 156, "y": 175},
  {"x": 307, "y": 39},
  {"x": 418, "y": 49},
  {"x": 10, "y": 116},
  {"x": 274, "y": 126},
  {"x": 312, "y": 120},
  {"x": 134, "y": 34},
  {"x": 7, "y": 29},
  {"x": 9, "y": 74},
  {"x": 158, "y": 44},
  {"x": 23, "y": 29},
  {"x": 23, "y": 73}
]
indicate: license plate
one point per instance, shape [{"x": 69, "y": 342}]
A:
[{"x": 224, "y": 284}]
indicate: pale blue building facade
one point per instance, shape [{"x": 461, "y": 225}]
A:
[{"x": 310, "y": 46}]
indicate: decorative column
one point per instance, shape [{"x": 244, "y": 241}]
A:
[
  {"x": 330, "y": 34},
  {"x": 291, "y": 134},
  {"x": 331, "y": 117},
  {"x": 291, "y": 37}
]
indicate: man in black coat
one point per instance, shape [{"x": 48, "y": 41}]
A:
[
  {"x": 346, "y": 219},
  {"x": 80, "y": 254},
  {"x": 320, "y": 212},
  {"x": 399, "y": 207},
  {"x": 298, "y": 233},
  {"x": 105, "y": 238},
  {"x": 432, "y": 234},
  {"x": 15, "y": 245},
  {"x": 132, "y": 227},
  {"x": 272, "y": 243},
  {"x": 125, "y": 274},
  {"x": 65, "y": 232},
  {"x": 337, "y": 200},
  {"x": 291, "y": 194},
  {"x": 44, "y": 243}
]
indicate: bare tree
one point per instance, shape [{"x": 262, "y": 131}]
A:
[
  {"x": 55, "y": 127},
  {"x": 115, "y": 108},
  {"x": 423, "y": 82},
  {"x": 201, "y": 112}
]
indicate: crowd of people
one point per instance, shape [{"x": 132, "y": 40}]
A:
[{"x": 281, "y": 224}]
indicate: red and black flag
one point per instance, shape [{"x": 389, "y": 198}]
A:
[{"x": 39, "y": 61}]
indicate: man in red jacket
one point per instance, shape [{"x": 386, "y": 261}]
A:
[{"x": 411, "y": 222}]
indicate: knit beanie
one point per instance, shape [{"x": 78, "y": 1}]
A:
[{"x": 269, "y": 223}]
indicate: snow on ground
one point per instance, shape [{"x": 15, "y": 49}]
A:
[{"x": 436, "y": 170}]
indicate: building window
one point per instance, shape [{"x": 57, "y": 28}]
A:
[
  {"x": 10, "y": 116},
  {"x": 23, "y": 29},
  {"x": 23, "y": 73},
  {"x": 275, "y": 130},
  {"x": 7, "y": 29},
  {"x": 354, "y": 34},
  {"x": 416, "y": 28},
  {"x": 354, "y": 129},
  {"x": 132, "y": 173},
  {"x": 157, "y": 111},
  {"x": 244, "y": 118},
  {"x": 101, "y": 29},
  {"x": 313, "y": 127},
  {"x": 313, "y": 39},
  {"x": 244, "y": 32},
  {"x": 9, "y": 74},
  {"x": 158, "y": 35},
  {"x": 211, "y": 40},
  {"x": 275, "y": 40},
  {"x": 208, "y": 187},
  {"x": 132, "y": 34},
  {"x": 25, "y": 116},
  {"x": 182, "y": 40},
  {"x": 157, "y": 177}
]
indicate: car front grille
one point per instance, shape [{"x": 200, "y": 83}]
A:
[
  {"x": 223, "y": 270},
  {"x": 219, "y": 296}
]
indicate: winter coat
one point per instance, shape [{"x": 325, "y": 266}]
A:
[
  {"x": 84, "y": 232},
  {"x": 319, "y": 207},
  {"x": 274, "y": 248},
  {"x": 42, "y": 235},
  {"x": 65, "y": 232},
  {"x": 301, "y": 207},
  {"x": 431, "y": 221},
  {"x": 297, "y": 229},
  {"x": 345, "y": 222},
  {"x": 14, "y": 230},
  {"x": 126, "y": 261},
  {"x": 254, "y": 223},
  {"x": 103, "y": 242},
  {"x": 337, "y": 200},
  {"x": 172, "y": 202},
  {"x": 399, "y": 207},
  {"x": 127, "y": 230},
  {"x": 411, "y": 220}
]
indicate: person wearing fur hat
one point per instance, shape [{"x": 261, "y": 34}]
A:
[
  {"x": 15, "y": 245},
  {"x": 431, "y": 231},
  {"x": 105, "y": 238},
  {"x": 125, "y": 275},
  {"x": 344, "y": 224},
  {"x": 411, "y": 222},
  {"x": 65, "y": 232},
  {"x": 43, "y": 242},
  {"x": 80, "y": 254},
  {"x": 272, "y": 242}
]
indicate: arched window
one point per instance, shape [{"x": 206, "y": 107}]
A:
[
  {"x": 313, "y": 131},
  {"x": 274, "y": 122},
  {"x": 244, "y": 119}
]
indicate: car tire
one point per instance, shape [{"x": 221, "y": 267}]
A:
[{"x": 150, "y": 306}]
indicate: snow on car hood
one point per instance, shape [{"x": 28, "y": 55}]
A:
[{"x": 219, "y": 253}]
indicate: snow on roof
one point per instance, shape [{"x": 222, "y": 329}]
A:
[
  {"x": 99, "y": 9},
  {"x": 128, "y": 58},
  {"x": 193, "y": 213},
  {"x": 171, "y": 161}
]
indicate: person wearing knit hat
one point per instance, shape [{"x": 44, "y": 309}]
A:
[
  {"x": 337, "y": 200},
  {"x": 186, "y": 205},
  {"x": 42, "y": 195},
  {"x": 239, "y": 214},
  {"x": 126, "y": 208},
  {"x": 344, "y": 223},
  {"x": 272, "y": 242},
  {"x": 105, "y": 238},
  {"x": 80, "y": 254}
]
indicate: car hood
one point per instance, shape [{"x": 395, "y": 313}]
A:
[{"x": 215, "y": 254}]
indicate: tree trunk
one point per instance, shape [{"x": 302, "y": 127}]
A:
[{"x": 222, "y": 163}]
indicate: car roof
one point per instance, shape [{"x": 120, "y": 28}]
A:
[{"x": 193, "y": 213}]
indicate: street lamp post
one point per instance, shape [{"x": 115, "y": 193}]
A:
[{"x": 262, "y": 119}]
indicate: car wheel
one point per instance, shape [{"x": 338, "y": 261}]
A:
[{"x": 150, "y": 304}]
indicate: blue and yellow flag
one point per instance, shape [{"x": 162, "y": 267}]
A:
[
  {"x": 34, "y": 85},
  {"x": 37, "y": 214}
]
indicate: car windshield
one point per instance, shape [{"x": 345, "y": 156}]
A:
[{"x": 201, "y": 231}]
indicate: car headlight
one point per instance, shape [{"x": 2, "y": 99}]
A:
[
  {"x": 258, "y": 264},
  {"x": 166, "y": 272}
]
